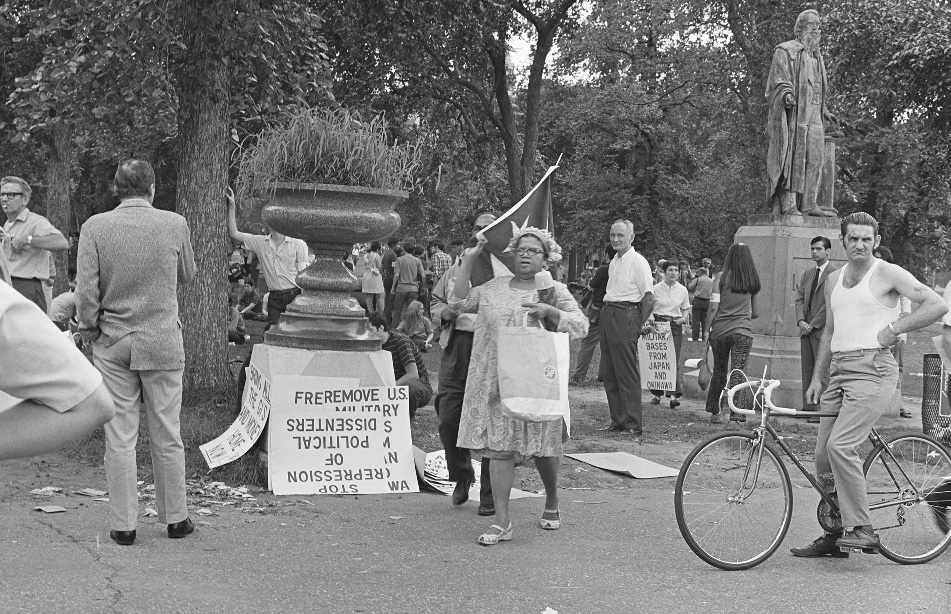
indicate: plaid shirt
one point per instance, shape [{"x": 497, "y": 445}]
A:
[{"x": 440, "y": 263}]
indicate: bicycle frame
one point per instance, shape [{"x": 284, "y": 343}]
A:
[{"x": 762, "y": 400}]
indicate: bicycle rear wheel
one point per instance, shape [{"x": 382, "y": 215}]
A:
[
  {"x": 909, "y": 511},
  {"x": 729, "y": 524}
]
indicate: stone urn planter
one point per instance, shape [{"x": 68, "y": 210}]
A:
[{"x": 330, "y": 219}]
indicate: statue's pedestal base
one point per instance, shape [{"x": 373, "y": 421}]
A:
[{"x": 781, "y": 251}]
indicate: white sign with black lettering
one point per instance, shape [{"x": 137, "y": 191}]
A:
[
  {"x": 245, "y": 430},
  {"x": 657, "y": 359},
  {"x": 339, "y": 440}
]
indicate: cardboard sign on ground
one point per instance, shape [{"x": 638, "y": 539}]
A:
[{"x": 628, "y": 464}]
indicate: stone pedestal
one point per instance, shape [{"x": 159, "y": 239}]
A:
[{"x": 780, "y": 246}]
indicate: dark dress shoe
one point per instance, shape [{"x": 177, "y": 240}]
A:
[
  {"x": 180, "y": 529},
  {"x": 123, "y": 538},
  {"x": 460, "y": 494},
  {"x": 862, "y": 538},
  {"x": 823, "y": 546},
  {"x": 487, "y": 509}
]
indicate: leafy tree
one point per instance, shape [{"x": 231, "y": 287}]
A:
[
  {"x": 397, "y": 53},
  {"x": 198, "y": 67}
]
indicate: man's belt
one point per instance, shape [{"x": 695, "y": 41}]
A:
[
  {"x": 660, "y": 318},
  {"x": 26, "y": 279},
  {"x": 623, "y": 304},
  {"x": 284, "y": 292}
]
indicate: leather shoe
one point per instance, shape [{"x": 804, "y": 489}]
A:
[
  {"x": 863, "y": 538},
  {"x": 823, "y": 546},
  {"x": 460, "y": 494},
  {"x": 123, "y": 538},
  {"x": 180, "y": 529},
  {"x": 487, "y": 509}
]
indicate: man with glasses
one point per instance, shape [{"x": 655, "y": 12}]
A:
[
  {"x": 456, "y": 341},
  {"x": 27, "y": 239}
]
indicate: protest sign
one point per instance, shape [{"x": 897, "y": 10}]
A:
[
  {"x": 657, "y": 359},
  {"x": 245, "y": 430},
  {"x": 327, "y": 439}
]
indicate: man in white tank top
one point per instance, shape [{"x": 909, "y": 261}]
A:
[{"x": 861, "y": 325}]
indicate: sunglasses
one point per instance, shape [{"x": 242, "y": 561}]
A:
[{"x": 10, "y": 195}]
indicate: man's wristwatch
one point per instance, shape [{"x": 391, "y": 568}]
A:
[{"x": 892, "y": 328}]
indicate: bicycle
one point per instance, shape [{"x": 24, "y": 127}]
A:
[{"x": 734, "y": 498}]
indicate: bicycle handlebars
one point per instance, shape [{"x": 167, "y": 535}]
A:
[{"x": 766, "y": 387}]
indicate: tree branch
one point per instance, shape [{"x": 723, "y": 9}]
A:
[{"x": 454, "y": 76}]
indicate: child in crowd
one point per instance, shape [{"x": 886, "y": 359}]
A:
[{"x": 417, "y": 326}]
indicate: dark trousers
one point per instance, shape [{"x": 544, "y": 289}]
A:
[
  {"x": 453, "y": 369},
  {"x": 591, "y": 341},
  {"x": 32, "y": 289},
  {"x": 677, "y": 331},
  {"x": 401, "y": 300},
  {"x": 277, "y": 302},
  {"x": 420, "y": 392},
  {"x": 729, "y": 351},
  {"x": 698, "y": 324},
  {"x": 620, "y": 329},
  {"x": 809, "y": 345}
]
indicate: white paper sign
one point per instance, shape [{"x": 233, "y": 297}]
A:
[
  {"x": 657, "y": 359},
  {"x": 339, "y": 440},
  {"x": 245, "y": 430}
]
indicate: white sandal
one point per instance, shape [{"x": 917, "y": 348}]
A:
[
  {"x": 551, "y": 523},
  {"x": 491, "y": 539}
]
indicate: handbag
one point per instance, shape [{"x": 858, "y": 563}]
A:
[
  {"x": 533, "y": 373},
  {"x": 703, "y": 378}
]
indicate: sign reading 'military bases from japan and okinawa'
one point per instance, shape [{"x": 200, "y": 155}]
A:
[
  {"x": 326, "y": 439},
  {"x": 658, "y": 359}
]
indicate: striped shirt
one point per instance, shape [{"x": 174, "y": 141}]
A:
[{"x": 404, "y": 353}]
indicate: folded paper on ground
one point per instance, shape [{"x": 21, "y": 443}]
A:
[{"x": 628, "y": 464}]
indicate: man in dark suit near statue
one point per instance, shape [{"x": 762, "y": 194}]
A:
[{"x": 811, "y": 311}]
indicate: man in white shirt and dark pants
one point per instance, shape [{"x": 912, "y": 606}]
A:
[{"x": 628, "y": 302}]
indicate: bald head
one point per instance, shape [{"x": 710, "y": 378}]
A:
[{"x": 482, "y": 221}]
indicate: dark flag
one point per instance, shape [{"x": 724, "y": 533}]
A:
[{"x": 533, "y": 210}]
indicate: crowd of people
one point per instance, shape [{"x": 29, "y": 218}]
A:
[{"x": 849, "y": 319}]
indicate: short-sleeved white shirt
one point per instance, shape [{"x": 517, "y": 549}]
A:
[
  {"x": 946, "y": 320},
  {"x": 30, "y": 262},
  {"x": 37, "y": 361},
  {"x": 280, "y": 264},
  {"x": 629, "y": 278},
  {"x": 670, "y": 300}
]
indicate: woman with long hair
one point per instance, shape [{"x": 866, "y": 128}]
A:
[
  {"x": 733, "y": 307},
  {"x": 373, "y": 279},
  {"x": 417, "y": 326}
]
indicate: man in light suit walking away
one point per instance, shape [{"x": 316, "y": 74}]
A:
[
  {"x": 130, "y": 262},
  {"x": 811, "y": 312}
]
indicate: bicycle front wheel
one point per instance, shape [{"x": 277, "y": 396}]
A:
[
  {"x": 909, "y": 511},
  {"x": 728, "y": 520}
]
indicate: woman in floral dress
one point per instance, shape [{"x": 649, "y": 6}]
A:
[{"x": 503, "y": 302}]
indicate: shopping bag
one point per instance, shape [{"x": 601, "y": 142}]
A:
[
  {"x": 703, "y": 378},
  {"x": 533, "y": 373}
]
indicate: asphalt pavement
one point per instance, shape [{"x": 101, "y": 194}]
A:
[{"x": 619, "y": 550}]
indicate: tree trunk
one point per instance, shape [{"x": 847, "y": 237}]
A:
[
  {"x": 202, "y": 177},
  {"x": 57, "y": 195}
]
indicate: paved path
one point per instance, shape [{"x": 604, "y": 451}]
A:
[{"x": 619, "y": 551}]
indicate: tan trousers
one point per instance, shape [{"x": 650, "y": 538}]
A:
[
  {"x": 161, "y": 392},
  {"x": 861, "y": 387}
]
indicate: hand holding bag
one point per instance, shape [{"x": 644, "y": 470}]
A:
[{"x": 533, "y": 373}]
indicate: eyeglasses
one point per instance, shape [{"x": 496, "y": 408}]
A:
[
  {"x": 10, "y": 195},
  {"x": 528, "y": 251}
]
